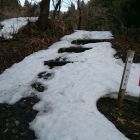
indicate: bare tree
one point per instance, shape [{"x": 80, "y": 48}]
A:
[
  {"x": 57, "y": 7},
  {"x": 44, "y": 14},
  {"x": 1, "y": 8},
  {"x": 75, "y": 10},
  {"x": 79, "y": 14}
]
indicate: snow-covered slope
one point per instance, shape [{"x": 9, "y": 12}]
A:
[
  {"x": 11, "y": 26},
  {"x": 67, "y": 108},
  {"x": 81, "y": 34}
]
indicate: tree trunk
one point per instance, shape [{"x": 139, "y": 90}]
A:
[
  {"x": 1, "y": 9},
  {"x": 80, "y": 15},
  {"x": 58, "y": 5},
  {"x": 44, "y": 14}
]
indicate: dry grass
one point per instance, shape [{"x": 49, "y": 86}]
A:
[
  {"x": 122, "y": 44},
  {"x": 28, "y": 40}
]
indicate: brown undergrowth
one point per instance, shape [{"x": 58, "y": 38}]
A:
[
  {"x": 122, "y": 44},
  {"x": 28, "y": 40},
  {"x": 126, "y": 119}
]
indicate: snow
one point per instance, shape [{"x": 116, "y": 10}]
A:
[
  {"x": 67, "y": 108},
  {"x": 80, "y": 34},
  {"x": 11, "y": 26}
]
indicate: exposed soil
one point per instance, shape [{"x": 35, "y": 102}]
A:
[
  {"x": 38, "y": 86},
  {"x": 30, "y": 39},
  {"x": 122, "y": 44},
  {"x": 45, "y": 75},
  {"x": 15, "y": 119},
  {"x": 86, "y": 41},
  {"x": 13, "y": 51},
  {"x": 126, "y": 119},
  {"x": 57, "y": 62},
  {"x": 77, "y": 49}
]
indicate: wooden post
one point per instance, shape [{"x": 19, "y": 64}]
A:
[
  {"x": 139, "y": 102},
  {"x": 139, "y": 94},
  {"x": 125, "y": 77}
]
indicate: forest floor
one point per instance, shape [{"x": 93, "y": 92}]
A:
[
  {"x": 15, "y": 119},
  {"x": 14, "y": 51},
  {"x": 122, "y": 44},
  {"x": 27, "y": 39},
  {"x": 126, "y": 119},
  {"x": 48, "y": 84}
]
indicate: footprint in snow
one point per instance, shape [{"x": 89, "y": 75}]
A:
[
  {"x": 38, "y": 86},
  {"x": 45, "y": 75}
]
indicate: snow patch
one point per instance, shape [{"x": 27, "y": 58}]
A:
[
  {"x": 67, "y": 109},
  {"x": 81, "y": 34},
  {"x": 11, "y": 26}
]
